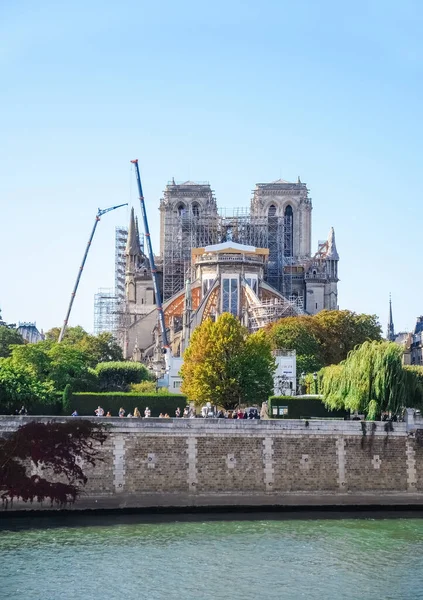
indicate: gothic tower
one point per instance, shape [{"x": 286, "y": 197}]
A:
[
  {"x": 188, "y": 219},
  {"x": 289, "y": 201},
  {"x": 283, "y": 211}
]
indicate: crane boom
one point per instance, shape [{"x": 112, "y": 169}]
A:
[
  {"x": 151, "y": 258},
  {"x": 99, "y": 214}
]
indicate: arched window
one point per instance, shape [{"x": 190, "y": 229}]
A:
[
  {"x": 196, "y": 209},
  {"x": 288, "y": 243},
  {"x": 181, "y": 209},
  {"x": 272, "y": 211}
]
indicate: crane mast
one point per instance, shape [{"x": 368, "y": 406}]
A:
[
  {"x": 151, "y": 259},
  {"x": 99, "y": 214}
]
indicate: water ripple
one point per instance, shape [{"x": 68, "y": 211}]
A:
[{"x": 268, "y": 559}]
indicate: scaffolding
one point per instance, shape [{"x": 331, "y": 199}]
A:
[
  {"x": 272, "y": 232},
  {"x": 264, "y": 312},
  {"x": 185, "y": 230},
  {"x": 105, "y": 311},
  {"x": 190, "y": 221},
  {"x": 121, "y": 236}
]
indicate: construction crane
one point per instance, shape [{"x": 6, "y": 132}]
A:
[
  {"x": 165, "y": 343},
  {"x": 99, "y": 214}
]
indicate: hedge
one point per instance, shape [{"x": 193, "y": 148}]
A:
[
  {"x": 85, "y": 403},
  {"x": 299, "y": 407}
]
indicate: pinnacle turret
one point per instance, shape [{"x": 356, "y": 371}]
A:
[{"x": 332, "y": 252}]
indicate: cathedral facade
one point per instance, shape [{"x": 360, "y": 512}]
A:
[{"x": 256, "y": 263}]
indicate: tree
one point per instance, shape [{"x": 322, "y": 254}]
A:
[
  {"x": 61, "y": 364},
  {"x": 226, "y": 366},
  {"x": 73, "y": 335},
  {"x": 371, "y": 380},
  {"x": 101, "y": 348},
  {"x": 53, "y": 448},
  {"x": 325, "y": 338},
  {"x": 8, "y": 337},
  {"x": 340, "y": 331},
  {"x": 21, "y": 386},
  {"x": 299, "y": 334},
  {"x": 118, "y": 376},
  {"x": 97, "y": 348},
  {"x": 33, "y": 357},
  {"x": 70, "y": 365},
  {"x": 66, "y": 399}
]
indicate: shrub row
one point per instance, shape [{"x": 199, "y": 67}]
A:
[
  {"x": 86, "y": 403},
  {"x": 301, "y": 408}
]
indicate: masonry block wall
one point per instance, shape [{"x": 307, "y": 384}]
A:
[{"x": 195, "y": 462}]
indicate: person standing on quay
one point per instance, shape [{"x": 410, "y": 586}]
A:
[
  {"x": 147, "y": 412},
  {"x": 178, "y": 412},
  {"x": 99, "y": 412}
]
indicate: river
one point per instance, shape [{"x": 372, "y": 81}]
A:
[{"x": 196, "y": 558}]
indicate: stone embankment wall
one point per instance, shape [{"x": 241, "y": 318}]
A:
[{"x": 216, "y": 462}]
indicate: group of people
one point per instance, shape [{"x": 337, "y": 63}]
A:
[
  {"x": 99, "y": 412},
  {"x": 249, "y": 413},
  {"x": 187, "y": 413}
]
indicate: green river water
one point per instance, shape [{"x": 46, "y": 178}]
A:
[{"x": 265, "y": 557}]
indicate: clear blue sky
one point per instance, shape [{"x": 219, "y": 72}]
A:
[{"x": 233, "y": 92}]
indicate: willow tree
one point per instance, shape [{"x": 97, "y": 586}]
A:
[
  {"x": 371, "y": 380},
  {"x": 226, "y": 366}
]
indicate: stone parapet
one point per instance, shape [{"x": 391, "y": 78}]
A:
[{"x": 218, "y": 462}]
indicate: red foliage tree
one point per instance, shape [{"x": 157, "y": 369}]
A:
[{"x": 60, "y": 448}]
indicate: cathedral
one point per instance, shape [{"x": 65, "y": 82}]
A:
[{"x": 256, "y": 263}]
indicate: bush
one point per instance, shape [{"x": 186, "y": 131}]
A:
[
  {"x": 146, "y": 387},
  {"x": 86, "y": 403},
  {"x": 302, "y": 408},
  {"x": 118, "y": 376},
  {"x": 66, "y": 400}
]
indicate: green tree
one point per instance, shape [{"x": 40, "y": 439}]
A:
[
  {"x": 8, "y": 337},
  {"x": 299, "y": 334},
  {"x": 340, "y": 331},
  {"x": 73, "y": 335},
  {"x": 66, "y": 399},
  {"x": 21, "y": 386},
  {"x": 101, "y": 348},
  {"x": 371, "y": 380},
  {"x": 97, "y": 348},
  {"x": 118, "y": 376},
  {"x": 60, "y": 363},
  {"x": 69, "y": 365},
  {"x": 34, "y": 357},
  {"x": 325, "y": 338},
  {"x": 226, "y": 366}
]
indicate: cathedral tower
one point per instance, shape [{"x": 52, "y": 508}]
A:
[
  {"x": 290, "y": 202},
  {"x": 188, "y": 219}
]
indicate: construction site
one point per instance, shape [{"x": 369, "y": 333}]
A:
[{"x": 286, "y": 279}]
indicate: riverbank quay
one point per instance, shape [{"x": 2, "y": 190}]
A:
[{"x": 212, "y": 463}]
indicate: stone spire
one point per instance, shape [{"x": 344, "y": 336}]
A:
[
  {"x": 390, "y": 333},
  {"x": 133, "y": 242},
  {"x": 332, "y": 253}
]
